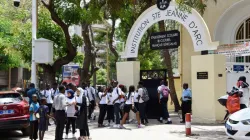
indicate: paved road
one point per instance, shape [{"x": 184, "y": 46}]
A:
[{"x": 154, "y": 131}]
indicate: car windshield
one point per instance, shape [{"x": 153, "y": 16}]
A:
[{"x": 10, "y": 98}]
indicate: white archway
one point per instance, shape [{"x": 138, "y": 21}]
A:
[
  {"x": 229, "y": 22},
  {"x": 193, "y": 22}
]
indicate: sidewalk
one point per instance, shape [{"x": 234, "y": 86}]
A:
[{"x": 155, "y": 131}]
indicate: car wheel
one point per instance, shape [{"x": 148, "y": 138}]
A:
[{"x": 26, "y": 131}]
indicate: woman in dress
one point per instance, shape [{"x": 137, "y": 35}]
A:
[{"x": 82, "y": 119}]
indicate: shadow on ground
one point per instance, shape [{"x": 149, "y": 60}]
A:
[{"x": 15, "y": 135}]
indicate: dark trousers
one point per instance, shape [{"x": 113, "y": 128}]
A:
[
  {"x": 84, "y": 133},
  {"x": 164, "y": 110},
  {"x": 102, "y": 113},
  {"x": 91, "y": 108},
  {"x": 110, "y": 113},
  {"x": 60, "y": 123},
  {"x": 117, "y": 113},
  {"x": 186, "y": 108},
  {"x": 71, "y": 121},
  {"x": 142, "y": 110},
  {"x": 33, "y": 130},
  {"x": 50, "y": 108}
]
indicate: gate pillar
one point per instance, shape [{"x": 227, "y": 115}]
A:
[
  {"x": 208, "y": 84},
  {"x": 128, "y": 73}
]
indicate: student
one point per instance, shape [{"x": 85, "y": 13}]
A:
[
  {"x": 116, "y": 101},
  {"x": 129, "y": 105},
  {"x": 163, "y": 101},
  {"x": 102, "y": 105},
  {"x": 122, "y": 97},
  {"x": 42, "y": 115},
  {"x": 82, "y": 120},
  {"x": 142, "y": 104},
  {"x": 136, "y": 100},
  {"x": 47, "y": 93},
  {"x": 71, "y": 119},
  {"x": 91, "y": 96},
  {"x": 33, "y": 120},
  {"x": 186, "y": 101},
  {"x": 110, "y": 106},
  {"x": 60, "y": 114}
]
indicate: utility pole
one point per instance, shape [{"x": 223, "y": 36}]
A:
[{"x": 34, "y": 32}]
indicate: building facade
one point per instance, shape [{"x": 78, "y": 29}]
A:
[{"x": 228, "y": 22}]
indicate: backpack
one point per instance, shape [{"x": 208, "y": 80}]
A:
[
  {"x": 145, "y": 96},
  {"x": 164, "y": 92},
  {"x": 233, "y": 103}
]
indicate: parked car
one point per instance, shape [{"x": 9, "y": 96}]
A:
[
  {"x": 14, "y": 112},
  {"x": 238, "y": 125}
]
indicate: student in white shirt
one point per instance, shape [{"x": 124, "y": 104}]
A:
[
  {"x": 102, "y": 105},
  {"x": 142, "y": 104},
  {"x": 60, "y": 107},
  {"x": 71, "y": 119},
  {"x": 110, "y": 106},
  {"x": 136, "y": 102},
  {"x": 129, "y": 105},
  {"x": 116, "y": 101},
  {"x": 47, "y": 93}
]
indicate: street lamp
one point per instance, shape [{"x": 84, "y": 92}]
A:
[{"x": 34, "y": 31}]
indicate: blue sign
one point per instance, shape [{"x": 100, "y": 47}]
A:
[{"x": 238, "y": 68}]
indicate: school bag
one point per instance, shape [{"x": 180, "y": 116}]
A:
[
  {"x": 233, "y": 103},
  {"x": 164, "y": 92},
  {"x": 145, "y": 96}
]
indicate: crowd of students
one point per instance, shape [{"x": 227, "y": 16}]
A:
[{"x": 73, "y": 107}]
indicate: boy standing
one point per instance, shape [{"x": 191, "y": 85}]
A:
[{"x": 33, "y": 121}]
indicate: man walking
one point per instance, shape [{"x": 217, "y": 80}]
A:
[
  {"x": 163, "y": 96},
  {"x": 60, "y": 115},
  {"x": 31, "y": 91},
  {"x": 186, "y": 101}
]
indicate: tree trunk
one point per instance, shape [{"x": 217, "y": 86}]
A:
[
  {"x": 110, "y": 41},
  {"x": 48, "y": 75},
  {"x": 168, "y": 63},
  {"x": 86, "y": 73}
]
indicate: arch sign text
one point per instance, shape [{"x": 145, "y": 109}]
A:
[{"x": 192, "y": 21}]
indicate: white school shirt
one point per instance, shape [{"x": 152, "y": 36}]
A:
[
  {"x": 91, "y": 93},
  {"x": 60, "y": 102},
  {"x": 103, "y": 99},
  {"x": 245, "y": 96},
  {"x": 115, "y": 95},
  {"x": 71, "y": 108},
  {"x": 48, "y": 95},
  {"x": 109, "y": 99},
  {"x": 54, "y": 93},
  {"x": 129, "y": 101},
  {"x": 135, "y": 97},
  {"x": 140, "y": 92}
]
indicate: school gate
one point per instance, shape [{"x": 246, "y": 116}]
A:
[{"x": 151, "y": 80}]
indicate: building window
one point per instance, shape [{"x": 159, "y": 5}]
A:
[{"x": 243, "y": 35}]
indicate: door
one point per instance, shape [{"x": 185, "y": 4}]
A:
[{"x": 151, "y": 80}]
